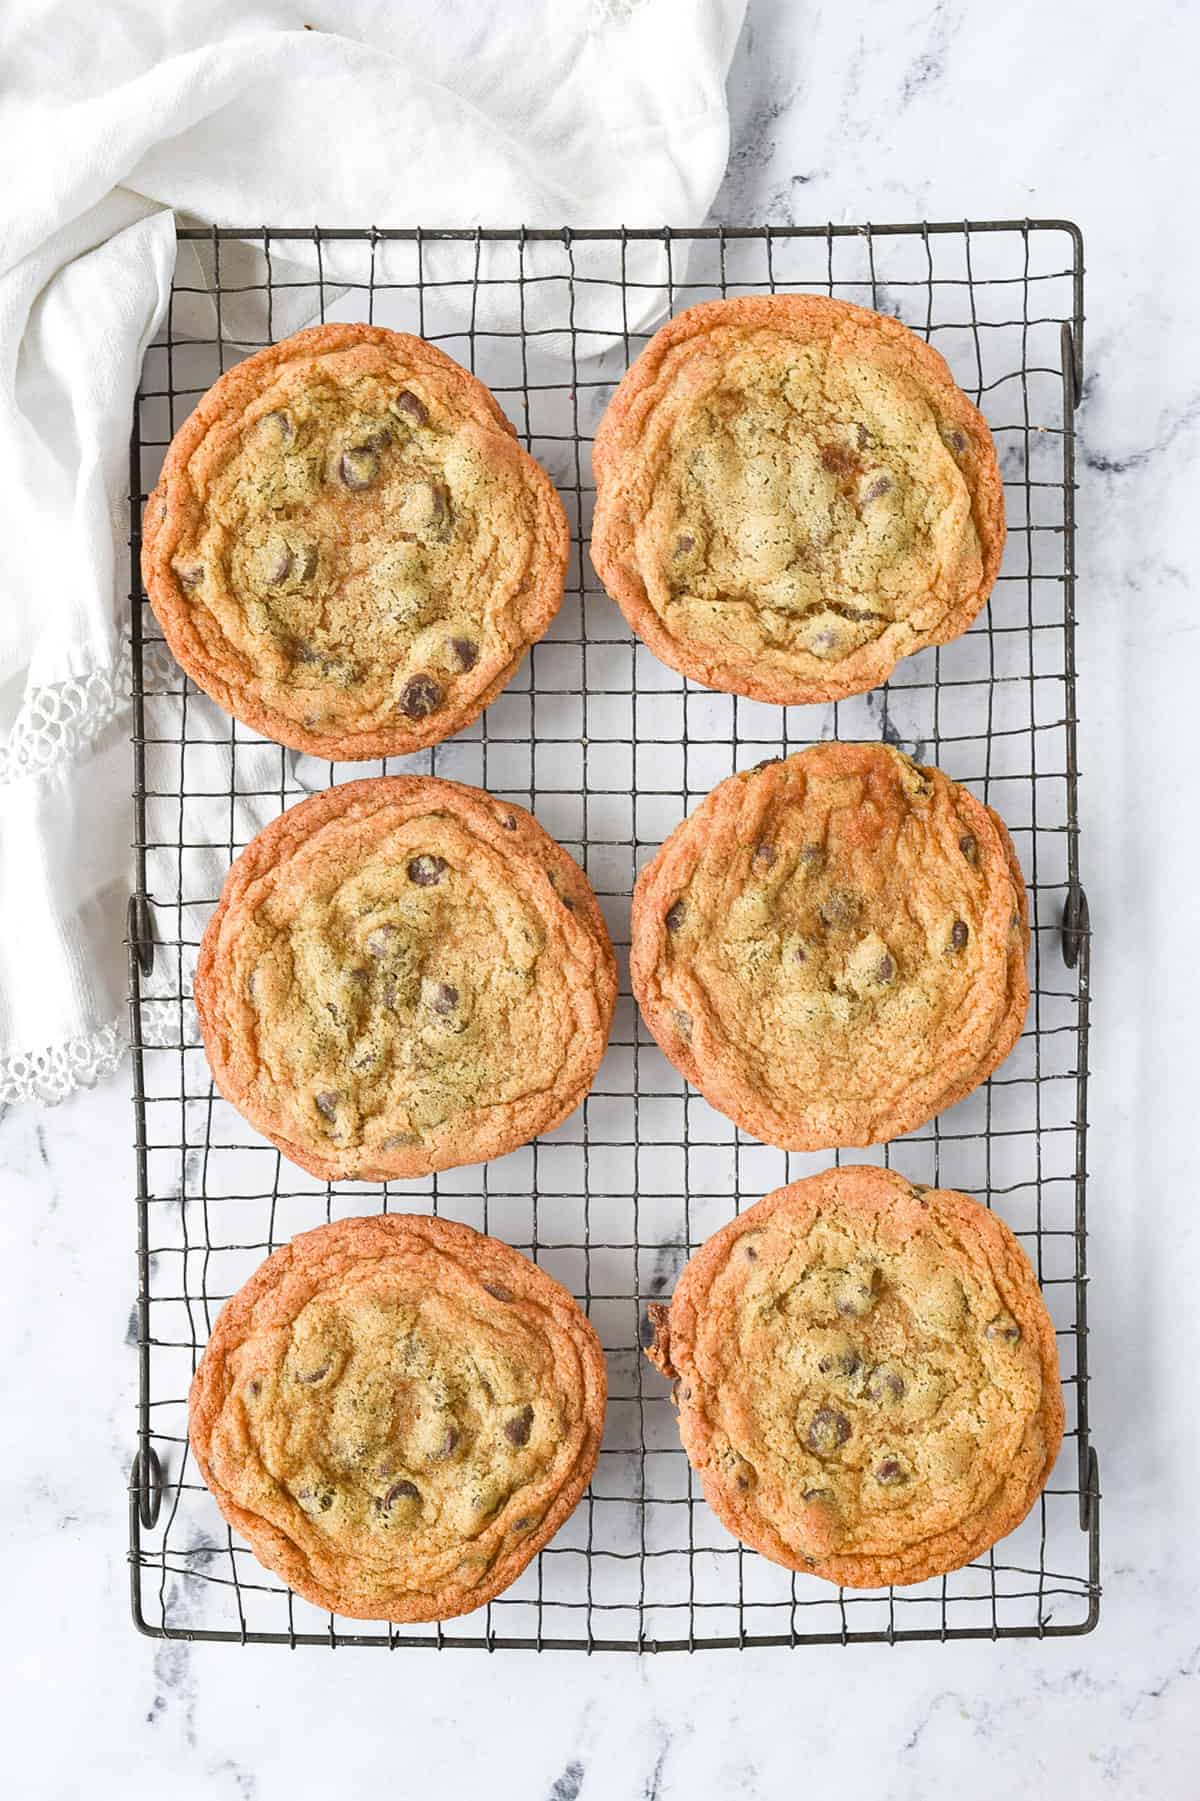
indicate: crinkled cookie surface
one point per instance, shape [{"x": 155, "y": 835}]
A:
[
  {"x": 347, "y": 548},
  {"x": 397, "y": 1413},
  {"x": 404, "y": 974},
  {"x": 832, "y": 946},
  {"x": 793, "y": 494},
  {"x": 867, "y": 1377}
]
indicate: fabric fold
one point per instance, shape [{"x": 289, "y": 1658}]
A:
[{"x": 592, "y": 112}]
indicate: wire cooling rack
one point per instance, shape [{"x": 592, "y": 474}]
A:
[{"x": 610, "y": 749}]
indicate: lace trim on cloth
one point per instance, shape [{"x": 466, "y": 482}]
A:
[
  {"x": 57, "y": 722},
  {"x": 54, "y": 725},
  {"x": 50, "y": 1075}
]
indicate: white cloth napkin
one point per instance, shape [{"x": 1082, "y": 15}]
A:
[{"x": 536, "y": 112}]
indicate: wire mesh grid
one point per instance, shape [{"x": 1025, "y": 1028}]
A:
[{"x": 609, "y": 749}]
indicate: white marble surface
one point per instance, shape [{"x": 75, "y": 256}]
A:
[{"x": 843, "y": 112}]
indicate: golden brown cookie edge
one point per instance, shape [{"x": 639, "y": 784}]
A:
[
  {"x": 659, "y": 879},
  {"x": 206, "y": 1396},
  {"x": 854, "y": 1187},
  {"x": 232, "y": 392},
  {"x": 274, "y": 844},
  {"x": 800, "y": 315}
]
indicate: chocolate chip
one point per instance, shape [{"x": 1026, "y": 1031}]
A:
[
  {"x": 799, "y": 954},
  {"x": 420, "y": 696},
  {"x": 359, "y": 466},
  {"x": 361, "y": 978},
  {"x": 281, "y": 568},
  {"x": 969, "y": 847},
  {"x": 856, "y": 1296},
  {"x": 315, "y": 1500},
  {"x": 523, "y": 1524},
  {"x": 517, "y": 1429},
  {"x": 326, "y": 1101},
  {"x": 440, "y": 504},
  {"x": 255, "y": 1389},
  {"x": 742, "y": 1480},
  {"x": 828, "y": 1431},
  {"x": 812, "y": 857},
  {"x": 683, "y": 1024},
  {"x": 884, "y": 1384},
  {"x": 317, "y": 1375},
  {"x": 764, "y": 856},
  {"x": 957, "y": 442},
  {"x": 381, "y": 940},
  {"x": 407, "y": 406},
  {"x": 487, "y": 1503},
  {"x": 817, "y": 1494},
  {"x": 403, "y": 1490},
  {"x": 959, "y": 935},
  {"x": 844, "y": 1363},
  {"x": 766, "y": 762},
  {"x": 890, "y": 1471},
  {"x": 509, "y": 824},
  {"x": 281, "y": 426},
  {"x": 675, "y": 916},
  {"x": 397, "y": 1140},
  {"x": 863, "y": 436},
  {"x": 466, "y": 653},
  {"x": 427, "y": 872},
  {"x": 839, "y": 908},
  {"x": 751, "y": 1254},
  {"x": 446, "y": 1448},
  {"x": 885, "y": 970},
  {"x": 425, "y": 507},
  {"x": 878, "y": 488},
  {"x": 684, "y": 543},
  {"x": 1004, "y": 1326},
  {"x": 445, "y": 998},
  {"x": 498, "y": 1291},
  {"x": 837, "y": 460},
  {"x": 192, "y": 576}
]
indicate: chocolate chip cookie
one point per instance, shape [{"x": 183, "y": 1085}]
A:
[
  {"x": 832, "y": 947},
  {"x": 867, "y": 1377},
  {"x": 397, "y": 1413},
  {"x": 347, "y": 548},
  {"x": 404, "y": 974},
  {"x": 791, "y": 495}
]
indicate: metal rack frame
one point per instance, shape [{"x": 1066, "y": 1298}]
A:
[{"x": 642, "y": 1566}]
